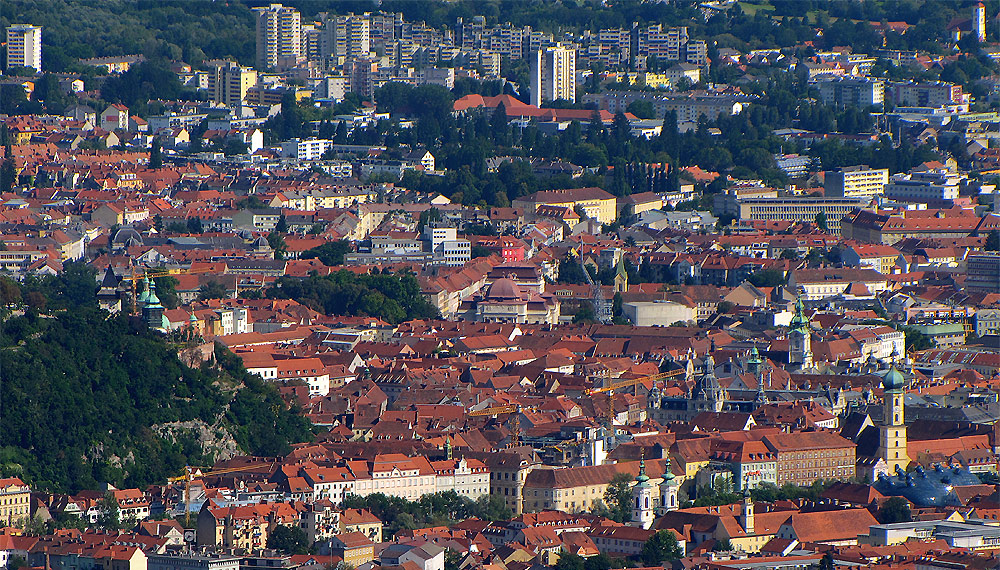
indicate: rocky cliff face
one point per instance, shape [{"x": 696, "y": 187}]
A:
[{"x": 215, "y": 441}]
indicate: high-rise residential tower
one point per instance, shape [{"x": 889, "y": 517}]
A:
[
  {"x": 279, "y": 36},
  {"x": 553, "y": 74},
  {"x": 24, "y": 46}
]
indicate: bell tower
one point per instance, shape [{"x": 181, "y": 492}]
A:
[
  {"x": 800, "y": 339},
  {"x": 892, "y": 431},
  {"x": 642, "y": 498}
]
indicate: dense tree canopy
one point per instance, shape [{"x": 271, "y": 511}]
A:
[
  {"x": 88, "y": 389},
  {"x": 391, "y": 297}
]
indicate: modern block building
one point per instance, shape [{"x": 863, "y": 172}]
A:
[
  {"x": 24, "y": 46},
  {"x": 933, "y": 187},
  {"x": 279, "y": 35},
  {"x": 983, "y": 273},
  {"x": 553, "y": 75},
  {"x": 799, "y": 209},
  {"x": 229, "y": 82},
  {"x": 856, "y": 182},
  {"x": 842, "y": 92}
]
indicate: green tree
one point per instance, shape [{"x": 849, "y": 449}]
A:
[
  {"x": 282, "y": 226},
  {"x": 277, "y": 243},
  {"x": 821, "y": 222},
  {"x": 660, "y": 547},
  {"x": 992, "y": 241},
  {"x": 212, "y": 290},
  {"x": 767, "y": 278},
  {"x": 722, "y": 545},
  {"x": 570, "y": 561},
  {"x": 789, "y": 254},
  {"x": 289, "y": 539},
  {"x": 330, "y": 253},
  {"x": 16, "y": 562},
  {"x": 109, "y": 515},
  {"x": 618, "y": 497},
  {"x": 492, "y": 508},
  {"x": 894, "y": 510},
  {"x": 8, "y": 174},
  {"x": 166, "y": 290}
]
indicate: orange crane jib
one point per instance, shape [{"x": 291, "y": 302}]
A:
[
  {"x": 632, "y": 382},
  {"x": 494, "y": 411}
]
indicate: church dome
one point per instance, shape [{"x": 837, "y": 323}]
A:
[
  {"x": 504, "y": 289},
  {"x": 893, "y": 379}
]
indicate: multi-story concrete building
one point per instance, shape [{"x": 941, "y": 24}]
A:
[
  {"x": 688, "y": 106},
  {"x": 843, "y": 92},
  {"x": 798, "y": 209},
  {"x": 229, "y": 82},
  {"x": 305, "y": 149},
  {"x": 553, "y": 74},
  {"x": 925, "y": 94},
  {"x": 983, "y": 273},
  {"x": 24, "y": 46},
  {"x": 936, "y": 188},
  {"x": 856, "y": 182},
  {"x": 279, "y": 36},
  {"x": 347, "y": 36}
]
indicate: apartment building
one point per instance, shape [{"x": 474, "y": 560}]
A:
[
  {"x": 818, "y": 284},
  {"x": 279, "y": 36},
  {"x": 855, "y": 182},
  {"x": 553, "y": 74},
  {"x": 24, "y": 46},
  {"x": 229, "y": 82},
  {"x": 850, "y": 91},
  {"x": 688, "y": 106},
  {"x": 925, "y": 94}
]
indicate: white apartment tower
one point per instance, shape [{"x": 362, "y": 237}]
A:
[
  {"x": 24, "y": 46},
  {"x": 979, "y": 21},
  {"x": 348, "y": 36},
  {"x": 553, "y": 74},
  {"x": 279, "y": 36}
]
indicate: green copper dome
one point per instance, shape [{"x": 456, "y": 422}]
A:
[{"x": 893, "y": 379}]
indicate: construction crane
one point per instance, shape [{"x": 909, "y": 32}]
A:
[
  {"x": 499, "y": 411},
  {"x": 192, "y": 473},
  {"x": 153, "y": 274},
  {"x": 627, "y": 383},
  {"x": 602, "y": 308},
  {"x": 495, "y": 411}
]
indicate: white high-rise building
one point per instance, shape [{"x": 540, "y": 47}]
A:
[
  {"x": 979, "y": 21},
  {"x": 553, "y": 74},
  {"x": 279, "y": 36},
  {"x": 24, "y": 46},
  {"x": 348, "y": 36}
]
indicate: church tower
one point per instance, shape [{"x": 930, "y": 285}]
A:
[
  {"x": 747, "y": 515},
  {"x": 642, "y": 498},
  {"x": 892, "y": 431},
  {"x": 800, "y": 340},
  {"x": 668, "y": 490}
]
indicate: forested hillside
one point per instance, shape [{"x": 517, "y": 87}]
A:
[{"x": 84, "y": 396}]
